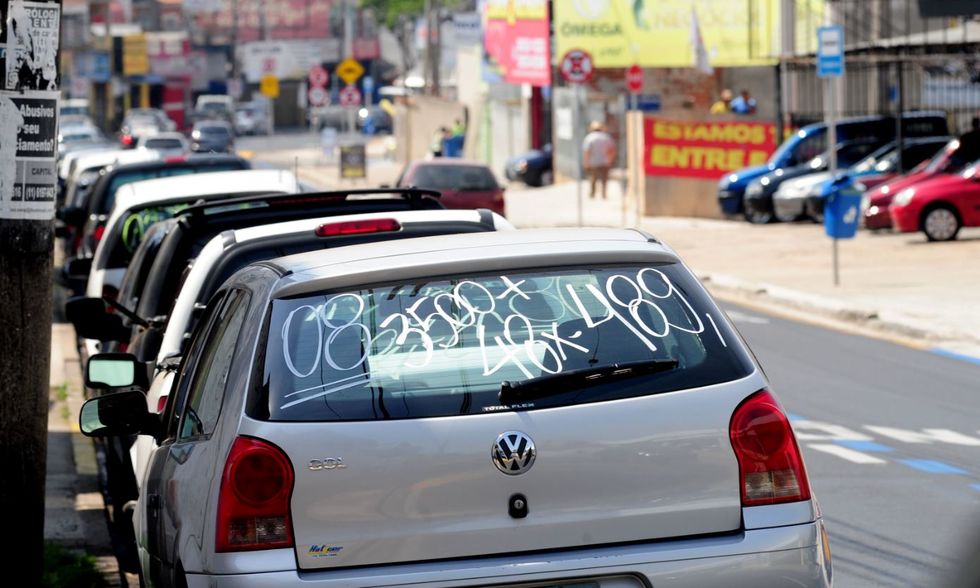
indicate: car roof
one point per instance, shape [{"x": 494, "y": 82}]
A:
[
  {"x": 104, "y": 158},
  {"x": 448, "y": 161},
  {"x": 164, "y": 135},
  {"x": 215, "y": 184},
  {"x": 193, "y": 160},
  {"x": 464, "y": 253},
  {"x": 909, "y": 114}
]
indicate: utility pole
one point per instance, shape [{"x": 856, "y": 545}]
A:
[
  {"x": 28, "y": 142},
  {"x": 436, "y": 47}
]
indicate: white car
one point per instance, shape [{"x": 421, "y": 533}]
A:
[
  {"x": 140, "y": 204},
  {"x": 84, "y": 169},
  {"x": 232, "y": 250},
  {"x": 516, "y": 408},
  {"x": 165, "y": 144},
  {"x": 788, "y": 202}
]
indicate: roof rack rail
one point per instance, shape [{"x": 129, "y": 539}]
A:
[{"x": 201, "y": 207}]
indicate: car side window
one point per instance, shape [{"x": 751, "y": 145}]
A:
[{"x": 207, "y": 385}]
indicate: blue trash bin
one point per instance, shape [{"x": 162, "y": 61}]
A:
[{"x": 842, "y": 209}]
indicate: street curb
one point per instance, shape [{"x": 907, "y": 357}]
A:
[{"x": 734, "y": 288}]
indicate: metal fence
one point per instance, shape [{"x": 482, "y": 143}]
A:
[
  {"x": 896, "y": 58},
  {"x": 949, "y": 83}
]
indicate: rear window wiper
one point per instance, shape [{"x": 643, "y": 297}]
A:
[{"x": 554, "y": 384}]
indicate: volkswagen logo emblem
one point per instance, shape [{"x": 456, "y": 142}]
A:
[{"x": 513, "y": 453}]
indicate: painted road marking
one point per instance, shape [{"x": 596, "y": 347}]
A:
[
  {"x": 845, "y": 453},
  {"x": 864, "y": 446},
  {"x": 925, "y": 436},
  {"x": 932, "y": 466},
  {"x": 953, "y": 355},
  {"x": 741, "y": 317},
  {"x": 807, "y": 430}
]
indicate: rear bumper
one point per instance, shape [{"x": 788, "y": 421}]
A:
[{"x": 794, "y": 555}]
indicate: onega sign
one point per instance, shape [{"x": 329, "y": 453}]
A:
[
  {"x": 584, "y": 29},
  {"x": 707, "y": 149}
]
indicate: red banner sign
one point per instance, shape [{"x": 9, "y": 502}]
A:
[{"x": 704, "y": 149}]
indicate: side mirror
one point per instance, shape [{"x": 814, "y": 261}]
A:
[
  {"x": 119, "y": 414},
  {"x": 61, "y": 230},
  {"x": 77, "y": 268},
  {"x": 74, "y": 274},
  {"x": 91, "y": 320},
  {"x": 117, "y": 370},
  {"x": 72, "y": 215}
]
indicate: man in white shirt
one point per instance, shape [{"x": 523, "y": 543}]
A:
[{"x": 598, "y": 156}]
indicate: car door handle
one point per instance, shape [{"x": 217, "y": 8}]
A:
[{"x": 153, "y": 501}]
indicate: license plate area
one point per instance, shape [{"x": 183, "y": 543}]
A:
[{"x": 603, "y": 582}]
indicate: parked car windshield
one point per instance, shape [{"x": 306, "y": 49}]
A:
[
  {"x": 429, "y": 348},
  {"x": 803, "y": 150},
  {"x": 215, "y": 131},
  {"x": 164, "y": 144}
]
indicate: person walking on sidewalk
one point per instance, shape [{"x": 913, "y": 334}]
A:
[{"x": 598, "y": 155}]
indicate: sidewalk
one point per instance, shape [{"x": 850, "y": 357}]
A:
[
  {"x": 895, "y": 283},
  {"x": 74, "y": 515}
]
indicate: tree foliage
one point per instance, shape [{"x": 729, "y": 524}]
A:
[{"x": 388, "y": 11}]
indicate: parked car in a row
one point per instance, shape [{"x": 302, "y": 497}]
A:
[
  {"x": 953, "y": 158},
  {"x": 940, "y": 206},
  {"x": 805, "y": 196},
  {"x": 501, "y": 340},
  {"x": 533, "y": 168},
  {"x": 462, "y": 183},
  {"x": 811, "y": 141}
]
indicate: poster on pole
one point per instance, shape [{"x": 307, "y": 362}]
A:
[
  {"x": 353, "y": 162},
  {"x": 28, "y": 146},
  {"x": 30, "y": 45}
]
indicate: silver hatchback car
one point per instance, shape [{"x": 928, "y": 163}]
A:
[{"x": 517, "y": 409}]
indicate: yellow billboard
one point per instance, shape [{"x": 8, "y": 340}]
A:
[
  {"x": 134, "y": 55},
  {"x": 658, "y": 33}
]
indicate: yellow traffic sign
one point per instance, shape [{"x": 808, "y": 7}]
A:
[
  {"x": 350, "y": 70},
  {"x": 269, "y": 86}
]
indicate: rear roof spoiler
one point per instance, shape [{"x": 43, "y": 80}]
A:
[{"x": 205, "y": 207}]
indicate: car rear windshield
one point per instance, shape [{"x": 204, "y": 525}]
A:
[
  {"x": 215, "y": 131},
  {"x": 441, "y": 347},
  {"x": 164, "y": 144},
  {"x": 454, "y": 177},
  {"x": 122, "y": 178}
]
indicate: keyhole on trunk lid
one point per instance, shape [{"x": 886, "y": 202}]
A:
[{"x": 517, "y": 506}]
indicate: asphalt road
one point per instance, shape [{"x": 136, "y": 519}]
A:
[{"x": 891, "y": 439}]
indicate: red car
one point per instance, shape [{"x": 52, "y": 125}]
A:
[
  {"x": 464, "y": 184},
  {"x": 953, "y": 158},
  {"x": 940, "y": 206}
]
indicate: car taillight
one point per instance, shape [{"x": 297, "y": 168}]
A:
[
  {"x": 769, "y": 461},
  {"x": 375, "y": 225},
  {"x": 126, "y": 140},
  {"x": 498, "y": 196},
  {"x": 162, "y": 403},
  {"x": 98, "y": 233},
  {"x": 175, "y": 159},
  {"x": 253, "y": 505}
]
